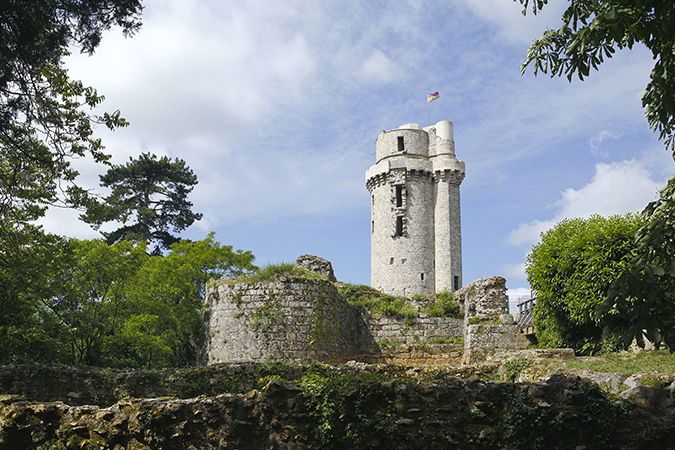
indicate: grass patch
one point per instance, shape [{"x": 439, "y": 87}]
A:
[
  {"x": 442, "y": 304},
  {"x": 272, "y": 272},
  {"x": 660, "y": 361},
  {"x": 376, "y": 302}
]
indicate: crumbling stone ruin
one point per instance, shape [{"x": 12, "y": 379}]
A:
[
  {"x": 297, "y": 319},
  {"x": 488, "y": 328}
]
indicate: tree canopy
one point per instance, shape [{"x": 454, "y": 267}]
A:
[
  {"x": 45, "y": 122},
  {"x": 115, "y": 305},
  {"x": 43, "y": 117},
  {"x": 593, "y": 30},
  {"x": 152, "y": 194},
  {"x": 570, "y": 270},
  {"x": 645, "y": 291}
]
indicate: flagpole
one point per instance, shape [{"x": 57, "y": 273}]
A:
[{"x": 430, "y": 98}]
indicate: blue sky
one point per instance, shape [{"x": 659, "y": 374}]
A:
[{"x": 276, "y": 107}]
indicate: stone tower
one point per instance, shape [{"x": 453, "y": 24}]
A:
[{"x": 416, "y": 241}]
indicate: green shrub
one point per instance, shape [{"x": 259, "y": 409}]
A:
[
  {"x": 571, "y": 270},
  {"x": 443, "y": 305},
  {"x": 374, "y": 301}
]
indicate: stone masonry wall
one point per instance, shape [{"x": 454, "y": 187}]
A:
[
  {"x": 415, "y": 211},
  {"x": 489, "y": 329},
  {"x": 291, "y": 320},
  {"x": 302, "y": 320},
  {"x": 421, "y": 329}
]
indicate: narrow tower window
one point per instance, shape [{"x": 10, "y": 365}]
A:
[
  {"x": 399, "y": 225},
  {"x": 400, "y": 144},
  {"x": 399, "y": 195},
  {"x": 422, "y": 276},
  {"x": 456, "y": 283},
  {"x": 372, "y": 226}
]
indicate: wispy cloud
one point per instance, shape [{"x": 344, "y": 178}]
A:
[
  {"x": 616, "y": 188},
  {"x": 276, "y": 106}
]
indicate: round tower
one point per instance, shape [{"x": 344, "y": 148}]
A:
[{"x": 415, "y": 228}]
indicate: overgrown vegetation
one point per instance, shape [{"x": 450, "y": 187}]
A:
[
  {"x": 661, "y": 361},
  {"x": 334, "y": 401},
  {"x": 644, "y": 290},
  {"x": 117, "y": 306},
  {"x": 513, "y": 368},
  {"x": 375, "y": 302},
  {"x": 272, "y": 272},
  {"x": 442, "y": 304}
]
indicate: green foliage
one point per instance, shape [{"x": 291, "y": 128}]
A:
[
  {"x": 44, "y": 125},
  {"x": 526, "y": 424},
  {"x": 645, "y": 292},
  {"x": 592, "y": 31},
  {"x": 325, "y": 326},
  {"x": 374, "y": 301},
  {"x": 117, "y": 306},
  {"x": 661, "y": 361},
  {"x": 455, "y": 340},
  {"x": 333, "y": 399},
  {"x": 92, "y": 300},
  {"x": 153, "y": 193},
  {"x": 514, "y": 367},
  {"x": 169, "y": 292},
  {"x": 570, "y": 270},
  {"x": 272, "y": 272},
  {"x": 443, "y": 304}
]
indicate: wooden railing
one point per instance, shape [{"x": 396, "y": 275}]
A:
[{"x": 526, "y": 310}]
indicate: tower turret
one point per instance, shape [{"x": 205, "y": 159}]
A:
[{"x": 415, "y": 214}]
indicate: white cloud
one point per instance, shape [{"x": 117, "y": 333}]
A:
[
  {"x": 516, "y": 271},
  {"x": 616, "y": 188},
  {"x": 507, "y": 15},
  {"x": 378, "y": 68}
]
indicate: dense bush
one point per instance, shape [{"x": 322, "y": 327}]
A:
[{"x": 571, "y": 270}]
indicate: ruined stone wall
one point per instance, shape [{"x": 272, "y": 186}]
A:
[
  {"x": 373, "y": 410},
  {"x": 488, "y": 327},
  {"x": 420, "y": 329},
  {"x": 303, "y": 320},
  {"x": 291, "y": 320}
]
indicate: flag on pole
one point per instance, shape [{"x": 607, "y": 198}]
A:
[{"x": 432, "y": 97}]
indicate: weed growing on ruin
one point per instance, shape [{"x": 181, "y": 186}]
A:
[
  {"x": 272, "y": 272},
  {"x": 267, "y": 315},
  {"x": 531, "y": 422},
  {"x": 325, "y": 325},
  {"x": 514, "y": 367},
  {"x": 349, "y": 410},
  {"x": 442, "y": 304},
  {"x": 454, "y": 340},
  {"x": 652, "y": 380},
  {"x": 373, "y": 301}
]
